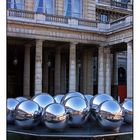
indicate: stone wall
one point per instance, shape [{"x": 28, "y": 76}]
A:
[
  {"x": 60, "y": 7},
  {"x": 29, "y": 5},
  {"x": 89, "y": 9}
]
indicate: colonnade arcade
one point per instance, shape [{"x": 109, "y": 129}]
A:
[{"x": 36, "y": 66}]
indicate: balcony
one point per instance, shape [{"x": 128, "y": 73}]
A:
[
  {"x": 113, "y": 3},
  {"x": 67, "y": 22},
  {"x": 121, "y": 23},
  {"x": 42, "y": 18}
]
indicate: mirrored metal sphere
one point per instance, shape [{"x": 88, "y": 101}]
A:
[
  {"x": 55, "y": 116},
  {"x": 20, "y": 99},
  {"x": 78, "y": 110},
  {"x": 11, "y": 105},
  {"x": 72, "y": 94},
  {"x": 88, "y": 97},
  {"x": 58, "y": 98},
  {"x": 28, "y": 114},
  {"x": 96, "y": 101},
  {"x": 43, "y": 99},
  {"x": 127, "y": 106},
  {"x": 109, "y": 115}
]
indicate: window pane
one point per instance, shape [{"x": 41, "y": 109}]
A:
[
  {"x": 104, "y": 18},
  {"x": 9, "y": 4},
  {"x": 39, "y": 6},
  {"x": 67, "y": 8},
  {"x": 19, "y": 4},
  {"x": 49, "y": 6},
  {"x": 77, "y": 8}
]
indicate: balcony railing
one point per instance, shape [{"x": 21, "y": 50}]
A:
[
  {"x": 52, "y": 19},
  {"x": 116, "y": 4},
  {"x": 125, "y": 21},
  {"x": 69, "y": 22},
  {"x": 58, "y": 19},
  {"x": 21, "y": 13},
  {"x": 87, "y": 23}
]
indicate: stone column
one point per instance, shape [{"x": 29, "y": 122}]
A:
[
  {"x": 26, "y": 74},
  {"x": 38, "y": 67},
  {"x": 129, "y": 70},
  {"x": 63, "y": 73},
  {"x": 108, "y": 72},
  {"x": 57, "y": 71},
  {"x": 101, "y": 70},
  {"x": 88, "y": 72},
  {"x": 72, "y": 67},
  {"x": 45, "y": 71}
]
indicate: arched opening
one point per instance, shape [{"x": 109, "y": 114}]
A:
[{"x": 122, "y": 90}]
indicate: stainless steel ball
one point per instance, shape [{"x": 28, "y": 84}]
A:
[
  {"x": 72, "y": 94},
  {"x": 127, "y": 106},
  {"x": 21, "y": 98},
  {"x": 55, "y": 117},
  {"x": 43, "y": 99},
  {"x": 11, "y": 105},
  {"x": 88, "y": 98},
  {"x": 109, "y": 115},
  {"x": 28, "y": 114},
  {"x": 96, "y": 101},
  {"x": 78, "y": 111},
  {"x": 58, "y": 98}
]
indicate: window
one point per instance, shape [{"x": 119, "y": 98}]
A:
[
  {"x": 44, "y": 6},
  {"x": 9, "y": 4},
  {"x": 39, "y": 6},
  {"x": 16, "y": 4},
  {"x": 73, "y": 8},
  {"x": 125, "y": 1},
  {"x": 49, "y": 6},
  {"x": 104, "y": 18},
  {"x": 67, "y": 8}
]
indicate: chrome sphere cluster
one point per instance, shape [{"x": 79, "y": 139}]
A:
[{"x": 72, "y": 109}]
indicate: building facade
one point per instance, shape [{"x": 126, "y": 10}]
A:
[{"x": 59, "y": 46}]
